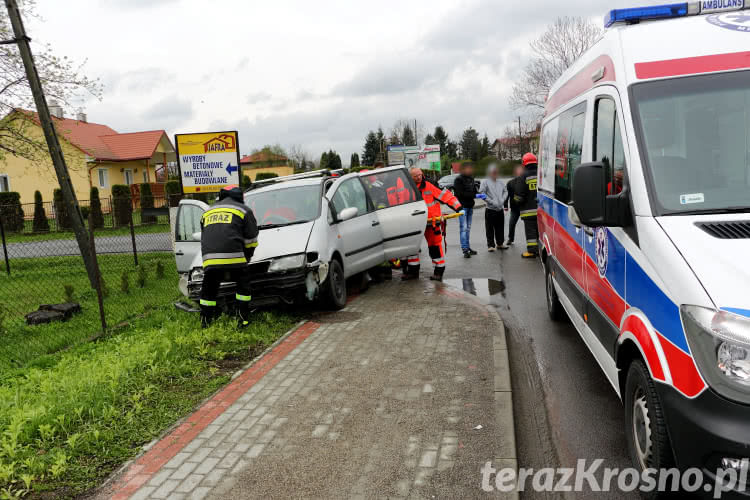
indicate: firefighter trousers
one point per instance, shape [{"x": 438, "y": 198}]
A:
[
  {"x": 212, "y": 279},
  {"x": 532, "y": 234}
]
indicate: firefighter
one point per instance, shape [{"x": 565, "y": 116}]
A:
[
  {"x": 433, "y": 196},
  {"x": 526, "y": 199},
  {"x": 228, "y": 240}
]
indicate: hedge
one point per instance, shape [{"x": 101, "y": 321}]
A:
[
  {"x": 62, "y": 218},
  {"x": 147, "y": 201},
  {"x": 265, "y": 175},
  {"x": 41, "y": 224},
  {"x": 95, "y": 209},
  {"x": 172, "y": 188},
  {"x": 122, "y": 205},
  {"x": 11, "y": 211}
]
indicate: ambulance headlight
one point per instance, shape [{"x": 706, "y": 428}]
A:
[
  {"x": 287, "y": 263},
  {"x": 720, "y": 344}
]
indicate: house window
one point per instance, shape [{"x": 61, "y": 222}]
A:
[
  {"x": 128, "y": 176},
  {"x": 103, "y": 178},
  {"x": 4, "y": 183}
]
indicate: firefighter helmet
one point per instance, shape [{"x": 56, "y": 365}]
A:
[{"x": 528, "y": 158}]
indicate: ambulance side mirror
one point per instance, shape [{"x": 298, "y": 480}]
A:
[{"x": 591, "y": 202}]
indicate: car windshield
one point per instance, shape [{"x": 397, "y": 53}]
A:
[
  {"x": 695, "y": 133},
  {"x": 286, "y": 206}
]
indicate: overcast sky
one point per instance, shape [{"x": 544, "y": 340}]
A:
[{"x": 314, "y": 74}]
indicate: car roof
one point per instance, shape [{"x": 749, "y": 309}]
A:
[{"x": 314, "y": 181}]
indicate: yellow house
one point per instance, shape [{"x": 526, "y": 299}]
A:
[
  {"x": 95, "y": 154},
  {"x": 265, "y": 161}
]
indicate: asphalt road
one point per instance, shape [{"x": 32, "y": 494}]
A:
[
  {"x": 564, "y": 407},
  {"x": 154, "y": 242}
]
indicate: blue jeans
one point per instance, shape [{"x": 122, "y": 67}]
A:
[{"x": 465, "y": 227}]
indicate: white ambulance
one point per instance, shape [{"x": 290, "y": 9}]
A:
[{"x": 644, "y": 220}]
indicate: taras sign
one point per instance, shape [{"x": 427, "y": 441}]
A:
[{"x": 208, "y": 161}]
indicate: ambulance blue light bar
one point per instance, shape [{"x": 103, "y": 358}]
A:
[{"x": 671, "y": 11}]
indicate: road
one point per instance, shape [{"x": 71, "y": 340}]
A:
[
  {"x": 565, "y": 408},
  {"x": 153, "y": 242}
]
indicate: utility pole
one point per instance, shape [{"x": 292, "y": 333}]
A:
[
  {"x": 520, "y": 139},
  {"x": 58, "y": 159}
]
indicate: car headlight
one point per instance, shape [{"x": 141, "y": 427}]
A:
[
  {"x": 720, "y": 343},
  {"x": 286, "y": 263},
  {"x": 196, "y": 275}
]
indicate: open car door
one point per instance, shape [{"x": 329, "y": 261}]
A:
[
  {"x": 187, "y": 234},
  {"x": 401, "y": 211}
]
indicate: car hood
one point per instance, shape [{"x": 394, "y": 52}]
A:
[
  {"x": 718, "y": 263},
  {"x": 282, "y": 241}
]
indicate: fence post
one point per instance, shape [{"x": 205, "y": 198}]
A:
[
  {"x": 98, "y": 275},
  {"x": 5, "y": 247},
  {"x": 132, "y": 237}
]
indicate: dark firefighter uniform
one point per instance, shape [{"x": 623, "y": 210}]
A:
[
  {"x": 526, "y": 198},
  {"x": 228, "y": 240},
  {"x": 433, "y": 196}
]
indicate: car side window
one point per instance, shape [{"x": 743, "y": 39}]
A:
[
  {"x": 389, "y": 189},
  {"x": 188, "y": 222},
  {"x": 351, "y": 194},
  {"x": 569, "y": 150},
  {"x": 608, "y": 144}
]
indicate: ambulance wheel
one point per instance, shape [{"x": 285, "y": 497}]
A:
[
  {"x": 646, "y": 429},
  {"x": 554, "y": 307},
  {"x": 334, "y": 291}
]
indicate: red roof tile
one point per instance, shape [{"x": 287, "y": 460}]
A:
[
  {"x": 262, "y": 157},
  {"x": 132, "y": 146}
]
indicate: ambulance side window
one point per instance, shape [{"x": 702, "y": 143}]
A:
[
  {"x": 569, "y": 150},
  {"x": 608, "y": 144}
]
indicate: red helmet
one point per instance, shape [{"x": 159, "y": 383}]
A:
[{"x": 528, "y": 158}]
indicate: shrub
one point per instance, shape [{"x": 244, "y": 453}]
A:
[
  {"x": 246, "y": 182},
  {"x": 105, "y": 290},
  {"x": 11, "y": 211},
  {"x": 95, "y": 209},
  {"x": 68, "y": 293},
  {"x": 265, "y": 175},
  {"x": 142, "y": 275},
  {"x": 122, "y": 205},
  {"x": 172, "y": 189},
  {"x": 85, "y": 212},
  {"x": 41, "y": 224},
  {"x": 147, "y": 201},
  {"x": 125, "y": 282},
  {"x": 62, "y": 218},
  {"x": 159, "y": 270}
]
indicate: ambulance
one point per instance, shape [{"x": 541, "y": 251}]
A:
[{"x": 644, "y": 225}]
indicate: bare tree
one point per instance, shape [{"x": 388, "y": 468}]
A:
[
  {"x": 62, "y": 80},
  {"x": 297, "y": 155},
  {"x": 554, "y": 52}
]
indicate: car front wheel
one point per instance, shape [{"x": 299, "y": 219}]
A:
[{"x": 334, "y": 293}]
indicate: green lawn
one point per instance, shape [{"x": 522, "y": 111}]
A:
[
  {"x": 69, "y": 235},
  {"x": 67, "y": 424},
  {"x": 41, "y": 281}
]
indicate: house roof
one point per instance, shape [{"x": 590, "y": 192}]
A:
[
  {"x": 262, "y": 157},
  {"x": 104, "y": 143}
]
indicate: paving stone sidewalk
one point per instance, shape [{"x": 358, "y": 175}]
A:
[{"x": 382, "y": 399}]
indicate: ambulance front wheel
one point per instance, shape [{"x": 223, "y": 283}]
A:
[
  {"x": 646, "y": 428},
  {"x": 554, "y": 307},
  {"x": 334, "y": 290}
]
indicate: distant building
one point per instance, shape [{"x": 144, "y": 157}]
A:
[
  {"x": 265, "y": 161},
  {"x": 96, "y": 155},
  {"x": 506, "y": 148}
]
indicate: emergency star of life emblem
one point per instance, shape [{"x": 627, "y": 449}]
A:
[
  {"x": 736, "y": 21},
  {"x": 601, "y": 250}
]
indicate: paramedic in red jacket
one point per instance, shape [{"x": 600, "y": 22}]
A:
[{"x": 433, "y": 196}]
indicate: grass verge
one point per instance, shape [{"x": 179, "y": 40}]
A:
[{"x": 68, "y": 425}]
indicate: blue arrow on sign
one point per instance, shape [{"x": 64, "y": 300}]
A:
[{"x": 230, "y": 168}]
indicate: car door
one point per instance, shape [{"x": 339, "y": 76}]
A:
[
  {"x": 187, "y": 243},
  {"x": 361, "y": 236},
  {"x": 401, "y": 211}
]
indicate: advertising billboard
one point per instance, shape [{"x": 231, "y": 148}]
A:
[
  {"x": 208, "y": 161},
  {"x": 424, "y": 157}
]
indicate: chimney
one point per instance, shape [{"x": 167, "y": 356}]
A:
[
  {"x": 55, "y": 109},
  {"x": 81, "y": 116}
]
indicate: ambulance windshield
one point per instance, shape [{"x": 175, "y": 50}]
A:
[{"x": 695, "y": 133}]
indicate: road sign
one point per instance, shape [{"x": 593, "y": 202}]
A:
[{"x": 208, "y": 161}]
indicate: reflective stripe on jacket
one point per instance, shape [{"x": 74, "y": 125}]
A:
[
  {"x": 229, "y": 234},
  {"x": 433, "y": 196}
]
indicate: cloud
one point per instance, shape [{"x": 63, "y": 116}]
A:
[
  {"x": 139, "y": 4},
  {"x": 169, "y": 112},
  {"x": 257, "y": 97}
]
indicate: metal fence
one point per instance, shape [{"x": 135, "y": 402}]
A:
[{"x": 47, "y": 302}]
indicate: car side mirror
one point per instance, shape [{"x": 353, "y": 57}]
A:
[
  {"x": 593, "y": 206},
  {"x": 197, "y": 236},
  {"x": 347, "y": 213}
]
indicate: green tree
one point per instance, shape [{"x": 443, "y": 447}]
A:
[
  {"x": 451, "y": 149},
  {"x": 62, "y": 220},
  {"x": 41, "y": 224},
  {"x": 95, "y": 208},
  {"x": 334, "y": 161},
  {"x": 172, "y": 188},
  {"x": 441, "y": 138},
  {"x": 484, "y": 147},
  {"x": 324, "y": 160},
  {"x": 470, "y": 145},
  {"x": 147, "y": 201},
  {"x": 354, "y": 162},
  {"x": 408, "y": 137},
  {"x": 122, "y": 205},
  {"x": 371, "y": 149},
  {"x": 430, "y": 140}
]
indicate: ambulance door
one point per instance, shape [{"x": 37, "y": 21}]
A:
[
  {"x": 568, "y": 236},
  {"x": 604, "y": 250}
]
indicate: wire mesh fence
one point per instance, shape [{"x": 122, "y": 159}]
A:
[{"x": 47, "y": 301}]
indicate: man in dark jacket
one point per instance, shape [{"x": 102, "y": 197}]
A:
[
  {"x": 465, "y": 190},
  {"x": 229, "y": 237},
  {"x": 528, "y": 205},
  {"x": 514, "y": 187}
]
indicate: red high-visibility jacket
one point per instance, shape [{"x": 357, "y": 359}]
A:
[
  {"x": 398, "y": 194},
  {"x": 433, "y": 196}
]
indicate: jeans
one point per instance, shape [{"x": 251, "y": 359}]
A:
[
  {"x": 514, "y": 216},
  {"x": 465, "y": 227}
]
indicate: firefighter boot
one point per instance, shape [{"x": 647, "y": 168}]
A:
[
  {"x": 208, "y": 315},
  {"x": 438, "y": 274},
  {"x": 243, "y": 315},
  {"x": 411, "y": 273}
]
